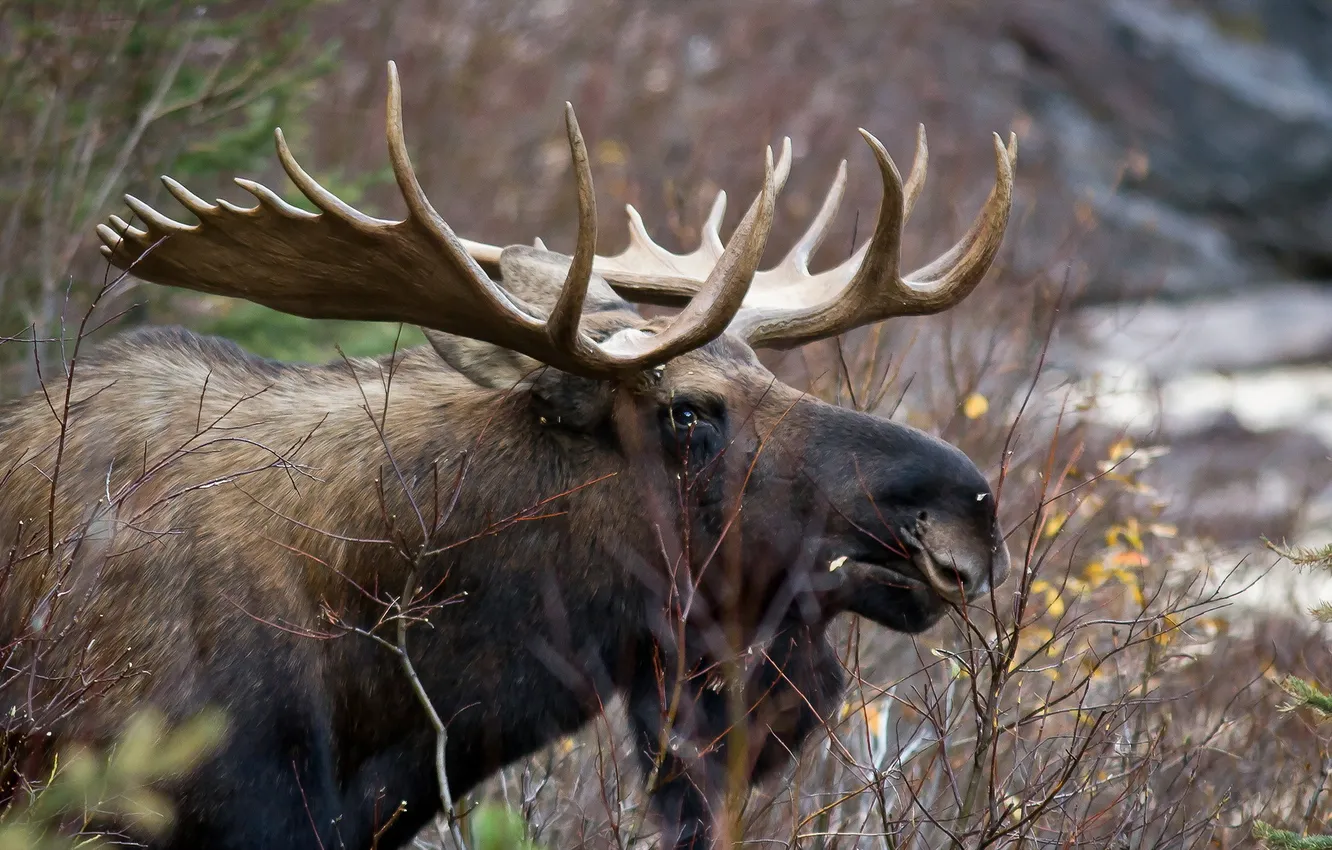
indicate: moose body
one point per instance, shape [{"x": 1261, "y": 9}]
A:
[{"x": 577, "y": 518}]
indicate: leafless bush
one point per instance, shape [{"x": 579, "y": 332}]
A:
[{"x": 96, "y": 97}]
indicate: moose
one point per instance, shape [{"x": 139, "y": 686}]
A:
[{"x": 560, "y": 501}]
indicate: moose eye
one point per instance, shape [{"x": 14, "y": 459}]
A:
[{"x": 684, "y": 416}]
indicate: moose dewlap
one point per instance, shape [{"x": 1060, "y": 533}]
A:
[{"x": 556, "y": 504}]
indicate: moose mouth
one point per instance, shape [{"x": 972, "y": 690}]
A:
[{"x": 914, "y": 567}]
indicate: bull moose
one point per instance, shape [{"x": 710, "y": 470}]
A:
[{"x": 559, "y": 500}]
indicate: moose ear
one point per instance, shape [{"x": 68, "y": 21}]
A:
[
  {"x": 561, "y": 399},
  {"x": 483, "y": 363}
]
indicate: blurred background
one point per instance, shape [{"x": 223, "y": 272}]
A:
[{"x": 1164, "y": 283}]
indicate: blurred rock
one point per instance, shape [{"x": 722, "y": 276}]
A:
[
  {"x": 1266, "y": 324},
  {"x": 1234, "y": 485},
  {"x": 1202, "y": 134}
]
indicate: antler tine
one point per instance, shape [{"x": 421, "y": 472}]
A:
[
  {"x": 955, "y": 273},
  {"x": 789, "y": 307},
  {"x": 153, "y": 218},
  {"x": 798, "y": 258},
  {"x": 423, "y": 213},
  {"x": 783, "y": 168},
  {"x": 709, "y": 313},
  {"x": 772, "y": 321},
  {"x": 652, "y": 273},
  {"x": 188, "y": 199},
  {"x": 325, "y": 200},
  {"x": 916, "y": 179},
  {"x": 982, "y": 239},
  {"x": 711, "y": 236},
  {"x": 122, "y": 226},
  {"x": 270, "y": 199},
  {"x": 562, "y": 325},
  {"x": 778, "y": 325}
]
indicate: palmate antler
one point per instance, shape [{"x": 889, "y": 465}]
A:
[
  {"x": 786, "y": 305},
  {"x": 342, "y": 264}
]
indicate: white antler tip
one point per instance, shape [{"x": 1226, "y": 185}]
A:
[
  {"x": 125, "y": 228},
  {"x": 152, "y": 217},
  {"x": 187, "y": 199},
  {"x": 715, "y": 215},
  {"x": 110, "y": 238},
  {"x": 1005, "y": 156}
]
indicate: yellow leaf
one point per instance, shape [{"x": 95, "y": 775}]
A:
[
  {"x": 872, "y": 715},
  {"x": 1095, "y": 574},
  {"x": 1120, "y": 449},
  {"x": 1138, "y": 595},
  {"x": 1055, "y": 605},
  {"x": 1133, "y": 533},
  {"x": 975, "y": 406},
  {"x": 1213, "y": 626},
  {"x": 1130, "y": 532},
  {"x": 1055, "y": 523},
  {"x": 1123, "y": 575}
]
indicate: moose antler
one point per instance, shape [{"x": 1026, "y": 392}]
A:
[
  {"x": 786, "y": 305},
  {"x": 342, "y": 264}
]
